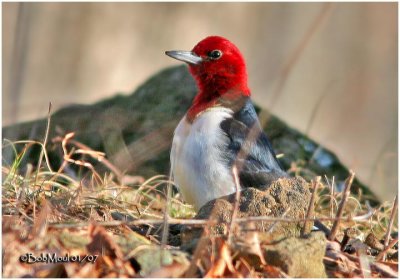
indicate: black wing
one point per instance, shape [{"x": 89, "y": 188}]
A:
[{"x": 257, "y": 160}]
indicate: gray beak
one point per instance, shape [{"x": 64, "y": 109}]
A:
[{"x": 185, "y": 56}]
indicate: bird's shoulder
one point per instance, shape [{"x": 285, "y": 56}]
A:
[
  {"x": 257, "y": 157},
  {"x": 243, "y": 118}
]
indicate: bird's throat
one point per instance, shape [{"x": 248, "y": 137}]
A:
[{"x": 205, "y": 100}]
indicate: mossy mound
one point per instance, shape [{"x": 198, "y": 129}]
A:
[{"x": 135, "y": 131}]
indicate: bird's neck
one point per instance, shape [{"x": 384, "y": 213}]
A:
[{"x": 216, "y": 96}]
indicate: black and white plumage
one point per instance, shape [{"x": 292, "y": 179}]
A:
[
  {"x": 259, "y": 165},
  {"x": 221, "y": 128},
  {"x": 204, "y": 151}
]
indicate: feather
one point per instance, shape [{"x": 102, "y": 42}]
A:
[{"x": 259, "y": 164}]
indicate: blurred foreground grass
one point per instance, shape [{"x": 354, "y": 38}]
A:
[{"x": 77, "y": 211}]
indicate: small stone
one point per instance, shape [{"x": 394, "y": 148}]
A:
[
  {"x": 299, "y": 257},
  {"x": 290, "y": 195}
]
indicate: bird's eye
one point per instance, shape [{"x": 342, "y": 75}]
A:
[{"x": 215, "y": 54}]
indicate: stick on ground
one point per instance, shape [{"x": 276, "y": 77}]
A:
[
  {"x": 339, "y": 213},
  {"x": 310, "y": 211},
  {"x": 387, "y": 235}
]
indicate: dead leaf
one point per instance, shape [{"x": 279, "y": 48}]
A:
[
  {"x": 57, "y": 271},
  {"x": 273, "y": 272},
  {"x": 102, "y": 243},
  {"x": 223, "y": 260},
  {"x": 244, "y": 269},
  {"x": 174, "y": 270},
  {"x": 40, "y": 226},
  {"x": 248, "y": 244}
]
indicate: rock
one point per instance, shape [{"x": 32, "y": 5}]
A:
[
  {"x": 281, "y": 195},
  {"x": 150, "y": 257},
  {"x": 299, "y": 257},
  {"x": 135, "y": 131}
]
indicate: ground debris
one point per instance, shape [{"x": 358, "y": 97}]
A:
[
  {"x": 288, "y": 197},
  {"x": 299, "y": 257},
  {"x": 56, "y": 224}
]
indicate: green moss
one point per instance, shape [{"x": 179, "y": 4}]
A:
[{"x": 143, "y": 123}]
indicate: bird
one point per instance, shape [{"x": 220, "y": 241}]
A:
[{"x": 221, "y": 129}]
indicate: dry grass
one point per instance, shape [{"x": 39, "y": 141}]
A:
[{"x": 58, "y": 211}]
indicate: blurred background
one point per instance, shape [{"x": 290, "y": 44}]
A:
[{"x": 327, "y": 69}]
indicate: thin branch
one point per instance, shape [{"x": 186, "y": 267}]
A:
[
  {"x": 392, "y": 216},
  {"x": 382, "y": 254},
  {"x": 200, "y": 222},
  {"x": 166, "y": 217},
  {"x": 367, "y": 215},
  {"x": 363, "y": 263},
  {"x": 67, "y": 157},
  {"x": 103, "y": 160},
  {"x": 339, "y": 213},
  {"x": 46, "y": 135},
  {"x": 237, "y": 202},
  {"x": 384, "y": 270},
  {"x": 310, "y": 211},
  {"x": 316, "y": 108},
  {"x": 331, "y": 193},
  {"x": 299, "y": 50},
  {"x": 165, "y": 228},
  {"x": 271, "y": 227}
]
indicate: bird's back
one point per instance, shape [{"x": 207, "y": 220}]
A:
[{"x": 249, "y": 148}]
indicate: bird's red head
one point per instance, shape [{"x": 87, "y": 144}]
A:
[
  {"x": 222, "y": 68},
  {"x": 219, "y": 70}
]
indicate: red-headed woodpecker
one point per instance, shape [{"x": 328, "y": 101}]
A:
[{"x": 215, "y": 130}]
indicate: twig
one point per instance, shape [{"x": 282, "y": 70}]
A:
[
  {"x": 46, "y": 135},
  {"x": 310, "y": 211},
  {"x": 195, "y": 264},
  {"x": 314, "y": 112},
  {"x": 363, "y": 265},
  {"x": 196, "y": 259},
  {"x": 67, "y": 157},
  {"x": 237, "y": 201},
  {"x": 384, "y": 270},
  {"x": 144, "y": 148},
  {"x": 104, "y": 161},
  {"x": 339, "y": 213},
  {"x": 271, "y": 227},
  {"x": 368, "y": 215},
  {"x": 200, "y": 222},
  {"x": 165, "y": 228},
  {"x": 382, "y": 254},
  {"x": 61, "y": 169},
  {"x": 331, "y": 194},
  {"x": 299, "y": 50},
  {"x": 166, "y": 217},
  {"x": 392, "y": 215},
  {"x": 251, "y": 137}
]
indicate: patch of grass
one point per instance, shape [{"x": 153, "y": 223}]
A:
[{"x": 76, "y": 210}]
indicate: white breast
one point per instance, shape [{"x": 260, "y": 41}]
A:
[{"x": 197, "y": 166}]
